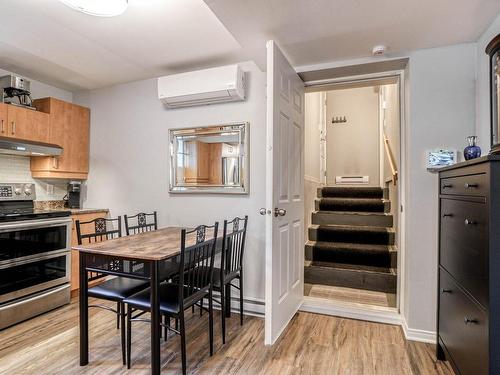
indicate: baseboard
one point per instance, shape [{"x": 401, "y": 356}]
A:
[
  {"x": 351, "y": 311},
  {"x": 312, "y": 179},
  {"x": 251, "y": 306},
  {"x": 420, "y": 335}
]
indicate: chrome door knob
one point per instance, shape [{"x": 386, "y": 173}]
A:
[
  {"x": 263, "y": 211},
  {"x": 279, "y": 212}
]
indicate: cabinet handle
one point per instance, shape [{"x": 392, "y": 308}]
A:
[
  {"x": 13, "y": 127},
  {"x": 447, "y": 186},
  {"x": 470, "y": 186},
  {"x": 55, "y": 163},
  {"x": 470, "y": 320},
  {"x": 3, "y": 128},
  {"x": 470, "y": 222},
  {"x": 447, "y": 215},
  {"x": 446, "y": 291}
]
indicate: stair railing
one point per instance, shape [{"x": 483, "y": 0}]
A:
[{"x": 391, "y": 159}]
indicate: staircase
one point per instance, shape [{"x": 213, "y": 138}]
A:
[{"x": 351, "y": 240}]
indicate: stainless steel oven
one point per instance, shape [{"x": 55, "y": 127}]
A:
[{"x": 35, "y": 263}]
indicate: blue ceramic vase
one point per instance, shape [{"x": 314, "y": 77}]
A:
[{"x": 472, "y": 151}]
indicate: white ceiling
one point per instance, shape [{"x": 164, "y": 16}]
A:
[
  {"x": 45, "y": 40},
  {"x": 316, "y": 31},
  {"x": 48, "y": 41}
]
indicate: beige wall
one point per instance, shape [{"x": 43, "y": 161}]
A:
[
  {"x": 353, "y": 147},
  {"x": 390, "y": 117},
  {"x": 312, "y": 134}
]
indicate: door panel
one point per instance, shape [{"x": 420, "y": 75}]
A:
[{"x": 285, "y": 190}]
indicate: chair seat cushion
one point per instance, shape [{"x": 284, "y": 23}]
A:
[
  {"x": 169, "y": 299},
  {"x": 117, "y": 289}
]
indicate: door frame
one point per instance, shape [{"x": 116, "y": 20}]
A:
[{"x": 354, "y": 310}]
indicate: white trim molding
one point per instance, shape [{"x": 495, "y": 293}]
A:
[
  {"x": 348, "y": 310},
  {"x": 312, "y": 179},
  {"x": 413, "y": 334}
]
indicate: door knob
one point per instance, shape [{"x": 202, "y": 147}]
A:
[
  {"x": 279, "y": 212},
  {"x": 263, "y": 211},
  {"x": 469, "y": 222}
]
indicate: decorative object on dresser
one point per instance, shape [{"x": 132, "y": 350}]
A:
[
  {"x": 472, "y": 151},
  {"x": 468, "y": 317},
  {"x": 493, "y": 50}
]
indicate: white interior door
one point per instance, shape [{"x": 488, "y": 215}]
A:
[{"x": 284, "y": 195}]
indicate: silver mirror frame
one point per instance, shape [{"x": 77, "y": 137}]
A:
[{"x": 244, "y": 138}]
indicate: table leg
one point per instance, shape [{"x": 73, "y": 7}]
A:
[
  {"x": 155, "y": 320},
  {"x": 84, "y": 315}
]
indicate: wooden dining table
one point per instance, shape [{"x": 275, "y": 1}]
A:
[{"x": 141, "y": 256}]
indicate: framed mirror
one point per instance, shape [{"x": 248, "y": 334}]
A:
[
  {"x": 210, "y": 159},
  {"x": 493, "y": 50}
]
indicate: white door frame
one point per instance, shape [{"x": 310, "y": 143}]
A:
[{"x": 358, "y": 311}]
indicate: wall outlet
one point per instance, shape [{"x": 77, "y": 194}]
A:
[{"x": 50, "y": 189}]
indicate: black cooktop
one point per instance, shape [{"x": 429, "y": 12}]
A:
[{"x": 17, "y": 211}]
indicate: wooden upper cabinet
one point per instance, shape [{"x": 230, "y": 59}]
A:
[
  {"x": 3, "y": 120},
  {"x": 22, "y": 123},
  {"x": 69, "y": 126}
]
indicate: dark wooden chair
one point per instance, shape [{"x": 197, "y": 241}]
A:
[
  {"x": 233, "y": 247},
  {"x": 117, "y": 288},
  {"x": 194, "y": 283},
  {"x": 142, "y": 222}
]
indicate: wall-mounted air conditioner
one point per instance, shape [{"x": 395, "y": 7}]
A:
[{"x": 201, "y": 87}]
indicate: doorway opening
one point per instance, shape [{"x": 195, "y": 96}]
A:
[{"x": 352, "y": 192}]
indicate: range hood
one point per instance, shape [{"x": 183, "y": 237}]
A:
[{"x": 14, "y": 146}]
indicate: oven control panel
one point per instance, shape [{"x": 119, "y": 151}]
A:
[{"x": 17, "y": 192}]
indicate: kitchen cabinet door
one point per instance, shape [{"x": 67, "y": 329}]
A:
[{"x": 27, "y": 124}]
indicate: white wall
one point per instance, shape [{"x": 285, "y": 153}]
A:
[
  {"x": 441, "y": 115},
  {"x": 129, "y": 161},
  {"x": 483, "y": 121},
  {"x": 17, "y": 168}
]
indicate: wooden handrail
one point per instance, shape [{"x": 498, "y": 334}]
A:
[{"x": 392, "y": 161}]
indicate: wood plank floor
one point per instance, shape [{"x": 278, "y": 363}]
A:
[{"x": 312, "y": 344}]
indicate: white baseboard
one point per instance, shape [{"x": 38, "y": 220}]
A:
[
  {"x": 312, "y": 179},
  {"x": 351, "y": 311},
  {"x": 413, "y": 334},
  {"x": 251, "y": 306}
]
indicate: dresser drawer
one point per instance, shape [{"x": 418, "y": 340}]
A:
[
  {"x": 464, "y": 244},
  {"x": 474, "y": 184},
  {"x": 463, "y": 327}
]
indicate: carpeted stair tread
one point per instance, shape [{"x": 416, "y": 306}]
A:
[
  {"x": 353, "y": 192},
  {"x": 352, "y": 253},
  {"x": 360, "y": 213},
  {"x": 352, "y": 234},
  {"x": 354, "y": 267},
  {"x": 351, "y": 204}
]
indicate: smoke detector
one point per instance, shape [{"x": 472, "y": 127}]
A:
[{"x": 379, "y": 50}]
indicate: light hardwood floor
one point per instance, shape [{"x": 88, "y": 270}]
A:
[{"x": 312, "y": 344}]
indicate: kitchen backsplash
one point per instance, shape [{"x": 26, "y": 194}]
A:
[{"x": 15, "y": 168}]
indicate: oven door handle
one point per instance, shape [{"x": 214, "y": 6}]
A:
[
  {"x": 33, "y": 224},
  {"x": 32, "y": 259}
]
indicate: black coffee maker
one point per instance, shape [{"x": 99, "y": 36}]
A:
[{"x": 74, "y": 188}]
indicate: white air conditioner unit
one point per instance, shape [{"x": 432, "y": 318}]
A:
[{"x": 201, "y": 87}]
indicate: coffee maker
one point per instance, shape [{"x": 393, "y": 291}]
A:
[{"x": 74, "y": 188}]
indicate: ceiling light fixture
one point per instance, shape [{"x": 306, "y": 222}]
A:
[{"x": 100, "y": 8}]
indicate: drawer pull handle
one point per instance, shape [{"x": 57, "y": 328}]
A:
[
  {"x": 470, "y": 186},
  {"x": 470, "y": 222},
  {"x": 447, "y": 186},
  {"x": 446, "y": 291},
  {"x": 447, "y": 215},
  {"x": 470, "y": 321}
]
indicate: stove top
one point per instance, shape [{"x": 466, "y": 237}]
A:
[{"x": 16, "y": 204}]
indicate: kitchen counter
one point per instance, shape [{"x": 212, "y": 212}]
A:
[{"x": 59, "y": 205}]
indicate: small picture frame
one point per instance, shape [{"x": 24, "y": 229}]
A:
[{"x": 440, "y": 158}]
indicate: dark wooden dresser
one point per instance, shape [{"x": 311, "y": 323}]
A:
[{"x": 468, "y": 322}]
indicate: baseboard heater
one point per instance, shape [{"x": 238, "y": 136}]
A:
[{"x": 352, "y": 180}]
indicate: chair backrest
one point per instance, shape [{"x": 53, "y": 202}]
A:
[
  {"x": 142, "y": 222},
  {"x": 100, "y": 230},
  {"x": 196, "y": 263},
  {"x": 233, "y": 245}
]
